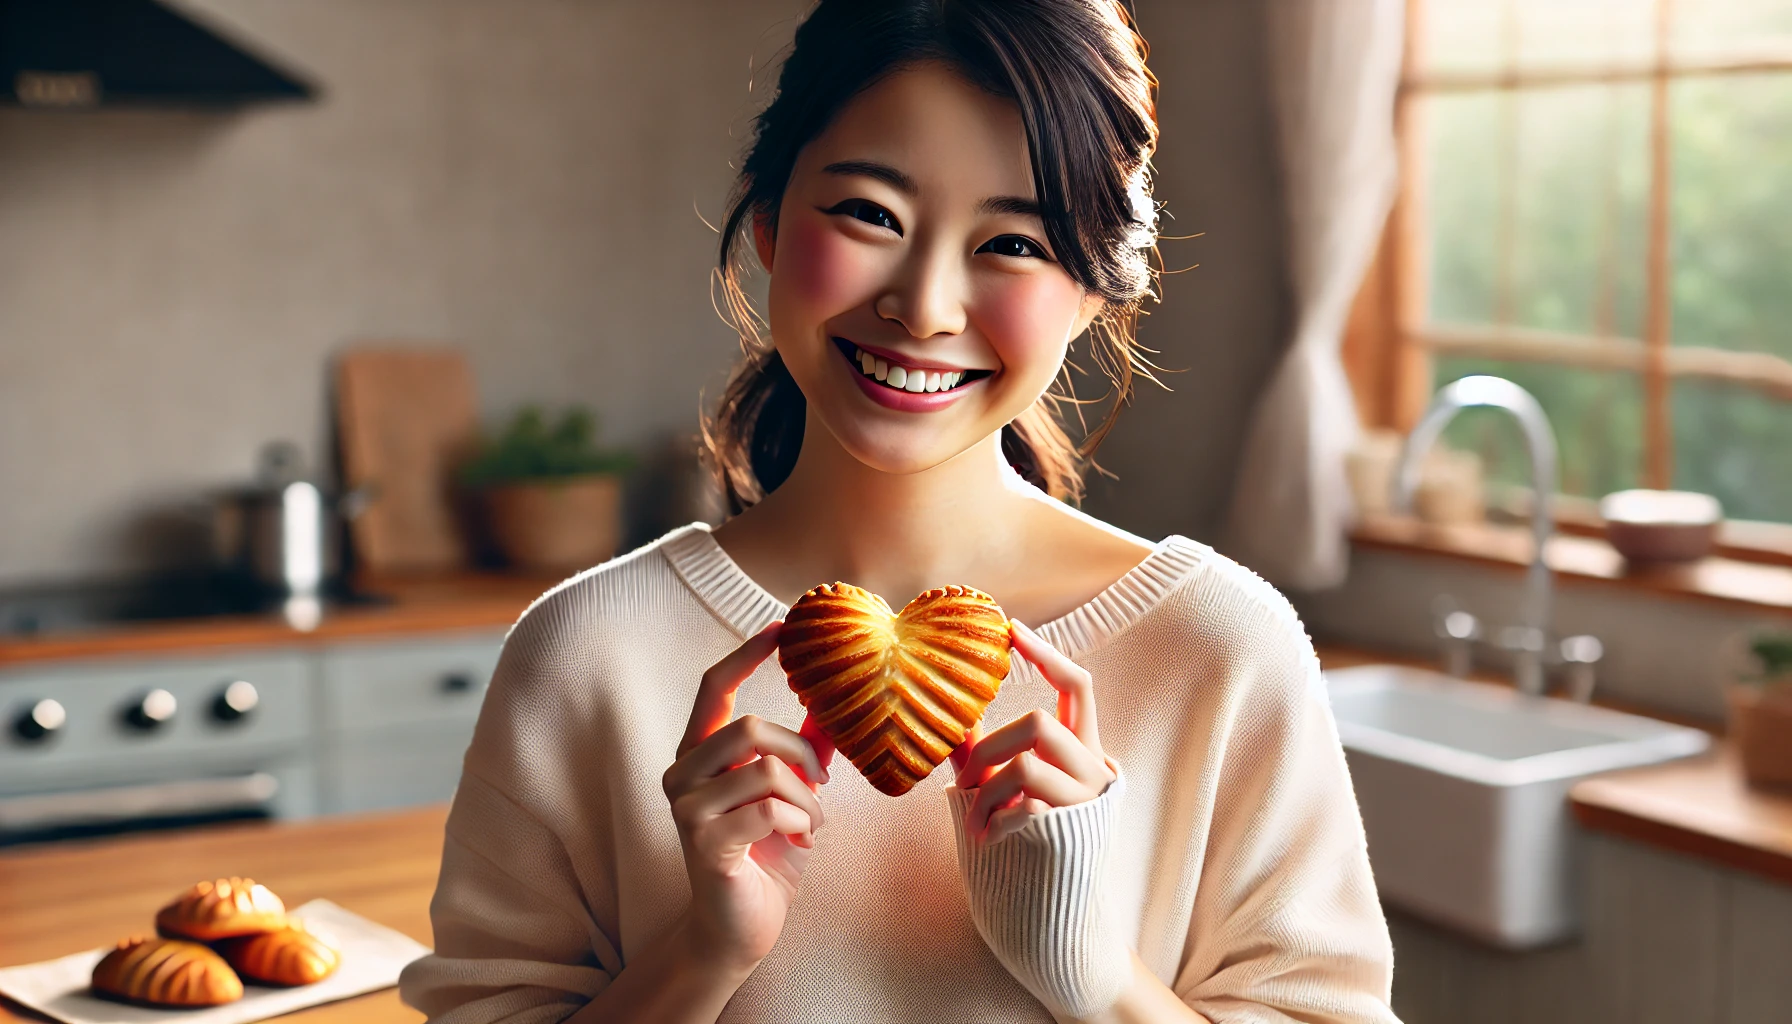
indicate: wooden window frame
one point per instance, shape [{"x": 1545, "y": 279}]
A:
[{"x": 1388, "y": 345}]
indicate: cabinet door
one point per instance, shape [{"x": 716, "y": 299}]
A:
[
  {"x": 374, "y": 687},
  {"x": 403, "y": 769}
]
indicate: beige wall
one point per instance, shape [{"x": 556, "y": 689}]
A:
[
  {"x": 521, "y": 178},
  {"x": 1221, "y": 325}
]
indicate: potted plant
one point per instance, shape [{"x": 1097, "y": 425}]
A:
[
  {"x": 551, "y": 497},
  {"x": 1761, "y": 710}
]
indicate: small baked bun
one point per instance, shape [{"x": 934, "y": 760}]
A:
[
  {"x": 294, "y": 955},
  {"x": 166, "y": 972},
  {"x": 222, "y": 909}
]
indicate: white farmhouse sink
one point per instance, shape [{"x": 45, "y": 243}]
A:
[{"x": 1463, "y": 788}]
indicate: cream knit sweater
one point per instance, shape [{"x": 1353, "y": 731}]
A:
[{"x": 1235, "y": 864}]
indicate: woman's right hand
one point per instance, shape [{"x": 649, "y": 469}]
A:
[{"x": 743, "y": 793}]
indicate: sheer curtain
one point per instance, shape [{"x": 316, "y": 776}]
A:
[{"x": 1334, "y": 68}]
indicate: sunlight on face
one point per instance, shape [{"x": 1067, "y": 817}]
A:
[{"x": 908, "y": 234}]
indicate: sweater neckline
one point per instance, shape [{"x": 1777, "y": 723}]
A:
[{"x": 746, "y": 607}]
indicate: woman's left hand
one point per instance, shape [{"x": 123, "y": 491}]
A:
[{"x": 1035, "y": 762}]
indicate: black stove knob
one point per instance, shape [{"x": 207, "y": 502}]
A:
[
  {"x": 234, "y": 702},
  {"x": 40, "y": 721},
  {"x": 151, "y": 711}
]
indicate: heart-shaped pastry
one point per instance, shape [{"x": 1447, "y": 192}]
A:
[{"x": 895, "y": 692}]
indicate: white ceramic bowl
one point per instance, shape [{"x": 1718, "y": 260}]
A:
[{"x": 1661, "y": 526}]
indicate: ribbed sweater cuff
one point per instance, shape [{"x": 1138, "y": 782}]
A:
[{"x": 1037, "y": 898}]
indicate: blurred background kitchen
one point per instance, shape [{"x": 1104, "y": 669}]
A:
[{"x": 332, "y": 332}]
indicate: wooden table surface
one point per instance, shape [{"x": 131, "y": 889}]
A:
[{"x": 67, "y": 897}]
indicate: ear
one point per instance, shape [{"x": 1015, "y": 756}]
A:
[{"x": 765, "y": 241}]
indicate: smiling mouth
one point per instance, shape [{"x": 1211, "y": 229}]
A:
[{"x": 898, "y": 377}]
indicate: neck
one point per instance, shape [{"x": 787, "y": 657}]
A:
[{"x": 899, "y": 534}]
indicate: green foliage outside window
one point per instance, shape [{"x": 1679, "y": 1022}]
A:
[{"x": 1577, "y": 229}]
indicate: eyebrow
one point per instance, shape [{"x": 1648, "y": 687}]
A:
[{"x": 1018, "y": 206}]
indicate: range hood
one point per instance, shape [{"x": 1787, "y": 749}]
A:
[{"x": 85, "y": 53}]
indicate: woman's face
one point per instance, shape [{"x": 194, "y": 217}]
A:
[{"x": 912, "y": 294}]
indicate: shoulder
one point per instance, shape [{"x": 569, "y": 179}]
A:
[
  {"x": 1234, "y": 625},
  {"x": 636, "y": 589}
]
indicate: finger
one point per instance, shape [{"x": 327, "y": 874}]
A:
[
  {"x": 819, "y": 742},
  {"x": 1046, "y": 737},
  {"x": 1010, "y": 820},
  {"x": 745, "y": 826},
  {"x": 768, "y": 776},
  {"x": 962, "y": 752},
  {"x": 1030, "y": 776},
  {"x": 735, "y": 744},
  {"x": 1076, "y": 689},
  {"x": 715, "y": 694}
]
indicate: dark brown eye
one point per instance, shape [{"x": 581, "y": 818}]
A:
[
  {"x": 1013, "y": 245},
  {"x": 869, "y": 212}
]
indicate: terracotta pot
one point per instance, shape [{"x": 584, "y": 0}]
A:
[
  {"x": 1761, "y": 728},
  {"x": 556, "y": 525}
]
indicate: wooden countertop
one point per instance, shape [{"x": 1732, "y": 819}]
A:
[
  {"x": 419, "y": 605},
  {"x": 67, "y": 897},
  {"x": 1701, "y": 807}
]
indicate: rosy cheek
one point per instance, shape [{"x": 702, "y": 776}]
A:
[
  {"x": 1026, "y": 318},
  {"x": 821, "y": 269}
]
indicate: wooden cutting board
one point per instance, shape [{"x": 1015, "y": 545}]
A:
[{"x": 406, "y": 417}]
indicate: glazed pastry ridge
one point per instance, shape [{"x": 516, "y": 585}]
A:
[{"x": 1229, "y": 856}]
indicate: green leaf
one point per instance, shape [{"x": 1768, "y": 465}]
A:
[{"x": 530, "y": 448}]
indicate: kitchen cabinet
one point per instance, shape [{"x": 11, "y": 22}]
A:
[
  {"x": 1666, "y": 939},
  {"x": 398, "y": 717}
]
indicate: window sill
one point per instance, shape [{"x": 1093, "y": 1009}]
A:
[{"x": 1754, "y": 586}]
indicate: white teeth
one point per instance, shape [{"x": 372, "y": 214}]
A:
[{"x": 905, "y": 379}]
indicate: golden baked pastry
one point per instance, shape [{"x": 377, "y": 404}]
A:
[
  {"x": 895, "y": 692},
  {"x": 293, "y": 955},
  {"x": 221, "y": 909},
  {"x": 166, "y": 972}
]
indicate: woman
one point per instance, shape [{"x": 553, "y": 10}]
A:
[{"x": 1159, "y": 828}]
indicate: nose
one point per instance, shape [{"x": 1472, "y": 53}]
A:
[{"x": 926, "y": 297}]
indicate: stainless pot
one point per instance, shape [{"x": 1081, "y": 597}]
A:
[{"x": 285, "y": 532}]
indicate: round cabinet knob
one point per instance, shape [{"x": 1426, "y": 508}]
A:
[
  {"x": 234, "y": 702},
  {"x": 151, "y": 711},
  {"x": 40, "y": 721},
  {"x": 457, "y": 682}
]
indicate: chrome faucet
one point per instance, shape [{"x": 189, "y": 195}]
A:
[{"x": 1528, "y": 639}]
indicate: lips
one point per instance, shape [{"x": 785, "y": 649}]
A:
[{"x": 904, "y": 383}]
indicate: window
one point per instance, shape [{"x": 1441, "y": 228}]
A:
[{"x": 1597, "y": 203}]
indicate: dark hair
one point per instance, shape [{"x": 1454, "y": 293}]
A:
[{"x": 1076, "y": 69}]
